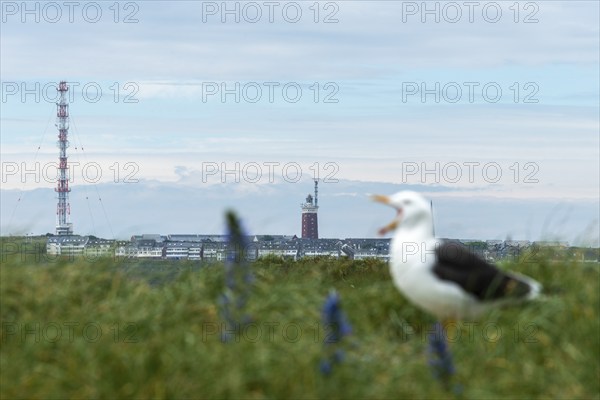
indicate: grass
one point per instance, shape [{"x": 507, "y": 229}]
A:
[{"x": 112, "y": 329}]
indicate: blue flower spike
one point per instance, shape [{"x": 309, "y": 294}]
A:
[
  {"x": 336, "y": 328},
  {"x": 440, "y": 358},
  {"x": 238, "y": 279}
]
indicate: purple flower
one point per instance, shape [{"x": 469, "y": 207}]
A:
[
  {"x": 238, "y": 277},
  {"x": 325, "y": 367},
  {"x": 440, "y": 358},
  {"x": 334, "y": 319},
  {"x": 336, "y": 328}
]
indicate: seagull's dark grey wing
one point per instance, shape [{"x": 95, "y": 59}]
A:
[{"x": 456, "y": 263}]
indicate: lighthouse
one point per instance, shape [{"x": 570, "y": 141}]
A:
[{"x": 310, "y": 222}]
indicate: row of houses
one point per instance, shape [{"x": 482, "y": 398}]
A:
[
  {"x": 215, "y": 247},
  {"x": 204, "y": 247},
  {"x": 79, "y": 245}
]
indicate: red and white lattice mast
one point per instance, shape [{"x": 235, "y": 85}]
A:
[{"x": 63, "y": 209}]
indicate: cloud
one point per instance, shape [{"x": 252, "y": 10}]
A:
[
  {"x": 173, "y": 41},
  {"x": 373, "y": 131},
  {"x": 345, "y": 211}
]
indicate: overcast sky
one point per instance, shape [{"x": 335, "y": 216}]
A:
[{"x": 489, "y": 100}]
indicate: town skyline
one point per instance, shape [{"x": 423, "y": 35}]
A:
[
  {"x": 279, "y": 213},
  {"x": 180, "y": 113}
]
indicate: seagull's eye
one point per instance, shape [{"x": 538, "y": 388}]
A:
[{"x": 407, "y": 202}]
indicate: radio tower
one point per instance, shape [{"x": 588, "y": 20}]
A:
[
  {"x": 310, "y": 223},
  {"x": 63, "y": 209}
]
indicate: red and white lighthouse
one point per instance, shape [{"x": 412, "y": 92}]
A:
[{"x": 310, "y": 222}]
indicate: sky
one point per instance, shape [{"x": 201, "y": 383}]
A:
[{"x": 491, "y": 109}]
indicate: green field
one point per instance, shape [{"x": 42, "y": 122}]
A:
[{"x": 117, "y": 329}]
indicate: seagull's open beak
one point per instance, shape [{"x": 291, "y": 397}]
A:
[
  {"x": 392, "y": 225},
  {"x": 380, "y": 198}
]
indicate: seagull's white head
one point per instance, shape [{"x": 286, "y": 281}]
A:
[{"x": 412, "y": 210}]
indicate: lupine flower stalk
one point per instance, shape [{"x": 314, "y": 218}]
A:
[
  {"x": 238, "y": 278},
  {"x": 336, "y": 328},
  {"x": 440, "y": 358}
]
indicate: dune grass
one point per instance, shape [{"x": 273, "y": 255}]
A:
[{"x": 117, "y": 329}]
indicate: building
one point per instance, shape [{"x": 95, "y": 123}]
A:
[
  {"x": 214, "y": 251},
  {"x": 360, "y": 249},
  {"x": 98, "y": 247},
  {"x": 278, "y": 249},
  {"x": 310, "y": 222},
  {"x": 66, "y": 245}
]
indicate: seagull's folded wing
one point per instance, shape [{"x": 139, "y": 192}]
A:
[{"x": 456, "y": 263}]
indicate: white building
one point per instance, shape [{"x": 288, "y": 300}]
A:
[
  {"x": 66, "y": 245},
  {"x": 99, "y": 248}
]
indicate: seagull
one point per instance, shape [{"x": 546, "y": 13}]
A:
[{"x": 442, "y": 277}]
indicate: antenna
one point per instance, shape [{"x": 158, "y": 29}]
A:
[
  {"x": 63, "y": 210},
  {"x": 432, "y": 223},
  {"x": 316, "y": 192}
]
